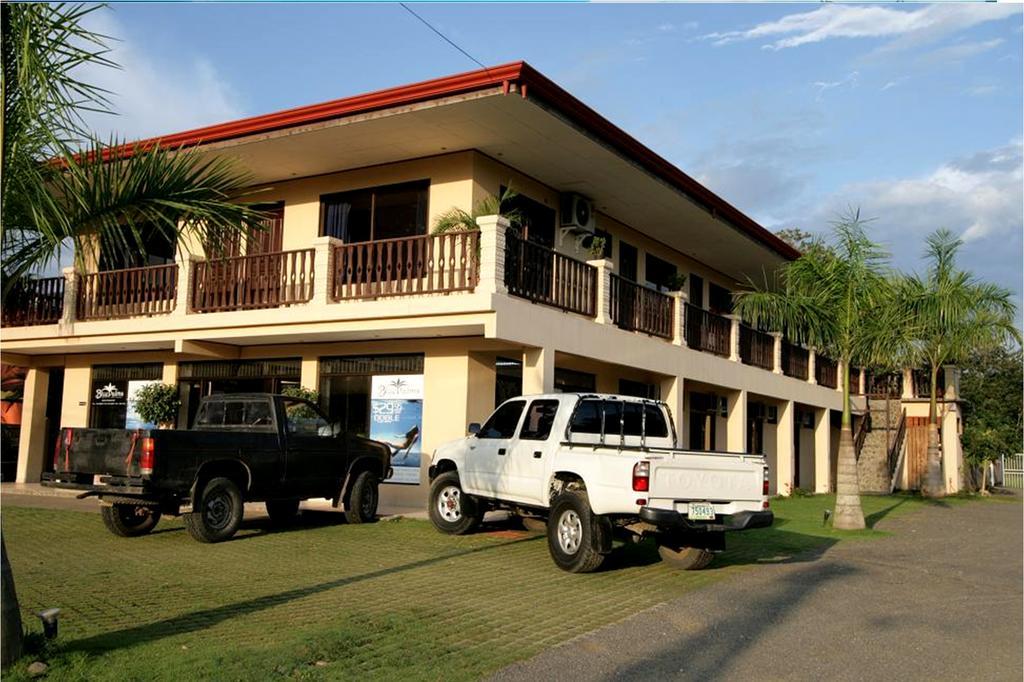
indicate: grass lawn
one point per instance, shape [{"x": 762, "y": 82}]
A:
[{"x": 327, "y": 600}]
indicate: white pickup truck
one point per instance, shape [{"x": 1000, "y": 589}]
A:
[{"x": 595, "y": 466}]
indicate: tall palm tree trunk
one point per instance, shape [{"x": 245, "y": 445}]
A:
[
  {"x": 934, "y": 485},
  {"x": 848, "y": 514},
  {"x": 10, "y": 636}
]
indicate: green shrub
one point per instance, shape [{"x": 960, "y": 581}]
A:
[{"x": 158, "y": 403}]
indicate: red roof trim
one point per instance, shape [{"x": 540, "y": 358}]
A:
[{"x": 516, "y": 72}]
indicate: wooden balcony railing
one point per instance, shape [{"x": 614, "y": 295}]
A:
[
  {"x": 825, "y": 371},
  {"x": 794, "y": 361},
  {"x": 265, "y": 280},
  {"x": 641, "y": 309},
  {"x": 131, "y": 292},
  {"x": 424, "y": 264},
  {"x": 757, "y": 348},
  {"x": 542, "y": 275},
  {"x": 923, "y": 384},
  {"x": 34, "y": 301},
  {"x": 707, "y": 331}
]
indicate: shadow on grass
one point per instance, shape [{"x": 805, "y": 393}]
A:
[
  {"x": 200, "y": 620},
  {"x": 872, "y": 519}
]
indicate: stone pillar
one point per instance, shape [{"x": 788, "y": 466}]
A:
[
  {"x": 822, "y": 450},
  {"x": 812, "y": 370},
  {"x": 784, "y": 452},
  {"x": 734, "y": 337},
  {"x": 32, "y": 442},
  {"x": 323, "y": 271},
  {"x": 736, "y": 421},
  {"x": 952, "y": 452},
  {"x": 604, "y": 267},
  {"x": 538, "y": 370},
  {"x": 673, "y": 392},
  {"x": 777, "y": 353},
  {"x": 186, "y": 282},
  {"x": 492, "y": 253},
  {"x": 309, "y": 373},
  {"x": 66, "y": 326},
  {"x": 952, "y": 377},
  {"x": 862, "y": 380},
  {"x": 908, "y": 384},
  {"x": 679, "y": 318}
]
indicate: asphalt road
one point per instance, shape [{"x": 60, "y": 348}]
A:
[{"x": 940, "y": 599}]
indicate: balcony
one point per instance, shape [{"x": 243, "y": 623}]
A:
[
  {"x": 640, "y": 309},
  {"x": 133, "y": 292},
  {"x": 543, "y": 275},
  {"x": 708, "y": 331},
  {"x": 265, "y": 280},
  {"x": 795, "y": 361},
  {"x": 35, "y": 301}
]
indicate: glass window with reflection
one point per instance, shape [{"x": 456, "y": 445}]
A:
[
  {"x": 302, "y": 419},
  {"x": 539, "y": 418},
  {"x": 376, "y": 213},
  {"x": 502, "y": 424}
]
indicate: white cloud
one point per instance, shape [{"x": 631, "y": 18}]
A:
[
  {"x": 960, "y": 51},
  {"x": 865, "y": 21},
  {"x": 155, "y": 97},
  {"x": 823, "y": 86},
  {"x": 982, "y": 90}
]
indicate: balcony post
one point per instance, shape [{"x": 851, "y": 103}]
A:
[
  {"x": 777, "y": 353},
  {"x": 604, "y": 267},
  {"x": 679, "y": 319},
  {"x": 862, "y": 381},
  {"x": 908, "y": 384},
  {"x": 68, "y": 315},
  {"x": 812, "y": 361},
  {"x": 323, "y": 270},
  {"x": 186, "y": 283},
  {"x": 492, "y": 253},
  {"x": 734, "y": 337},
  {"x": 952, "y": 376}
]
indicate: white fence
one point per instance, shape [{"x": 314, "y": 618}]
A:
[{"x": 1013, "y": 470}]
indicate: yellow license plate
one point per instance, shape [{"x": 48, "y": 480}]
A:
[{"x": 701, "y": 511}]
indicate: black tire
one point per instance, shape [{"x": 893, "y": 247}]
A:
[
  {"x": 129, "y": 520},
  {"x": 282, "y": 512},
  {"x": 218, "y": 513},
  {"x": 685, "y": 558},
  {"x": 361, "y": 505},
  {"x": 451, "y": 511},
  {"x": 575, "y": 534}
]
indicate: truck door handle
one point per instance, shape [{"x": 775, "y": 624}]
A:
[
  {"x": 537, "y": 454},
  {"x": 501, "y": 451}
]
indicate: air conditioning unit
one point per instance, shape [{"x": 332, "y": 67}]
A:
[{"x": 577, "y": 213}]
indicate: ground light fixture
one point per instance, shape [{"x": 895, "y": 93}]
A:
[{"x": 49, "y": 619}]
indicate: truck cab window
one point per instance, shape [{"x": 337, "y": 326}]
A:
[
  {"x": 655, "y": 423},
  {"x": 304, "y": 420},
  {"x": 212, "y": 414},
  {"x": 539, "y": 418},
  {"x": 587, "y": 418},
  {"x": 504, "y": 421}
]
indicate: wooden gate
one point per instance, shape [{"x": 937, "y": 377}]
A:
[{"x": 917, "y": 451}]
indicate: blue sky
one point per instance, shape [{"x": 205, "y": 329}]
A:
[{"x": 913, "y": 113}]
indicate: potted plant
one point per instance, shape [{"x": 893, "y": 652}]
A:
[
  {"x": 676, "y": 282},
  {"x": 158, "y": 404},
  {"x": 596, "y": 249}
]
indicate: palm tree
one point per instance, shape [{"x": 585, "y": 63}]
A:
[
  {"x": 458, "y": 220},
  {"x": 835, "y": 297},
  {"x": 62, "y": 186},
  {"x": 951, "y": 315}
]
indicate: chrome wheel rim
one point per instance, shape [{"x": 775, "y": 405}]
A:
[
  {"x": 449, "y": 504},
  {"x": 570, "y": 531}
]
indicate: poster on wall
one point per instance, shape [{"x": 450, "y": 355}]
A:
[
  {"x": 132, "y": 418},
  {"x": 396, "y": 418}
]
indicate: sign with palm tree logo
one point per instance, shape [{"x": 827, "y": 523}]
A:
[{"x": 396, "y": 418}]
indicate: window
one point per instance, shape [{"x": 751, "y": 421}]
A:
[
  {"x": 376, "y": 213},
  {"x": 504, "y": 421},
  {"x": 537, "y": 219},
  {"x": 655, "y": 425},
  {"x": 697, "y": 290},
  {"x": 303, "y": 419},
  {"x": 508, "y": 379},
  {"x": 639, "y": 389},
  {"x": 154, "y": 245},
  {"x": 587, "y": 418},
  {"x": 571, "y": 381},
  {"x": 660, "y": 273},
  {"x": 719, "y": 299},
  {"x": 620, "y": 418},
  {"x": 228, "y": 414},
  {"x": 627, "y": 261},
  {"x": 539, "y": 418}
]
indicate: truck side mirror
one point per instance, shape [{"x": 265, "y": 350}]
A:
[{"x": 473, "y": 429}]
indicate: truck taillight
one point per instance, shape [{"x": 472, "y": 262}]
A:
[
  {"x": 148, "y": 455},
  {"x": 764, "y": 486},
  {"x": 642, "y": 477}
]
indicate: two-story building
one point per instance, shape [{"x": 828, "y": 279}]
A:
[{"x": 407, "y": 334}]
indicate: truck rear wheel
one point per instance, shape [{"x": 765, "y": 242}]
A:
[
  {"x": 282, "y": 511},
  {"x": 129, "y": 520},
  {"x": 685, "y": 558},
  {"x": 361, "y": 505},
  {"x": 452, "y": 511},
  {"x": 575, "y": 534},
  {"x": 218, "y": 513}
]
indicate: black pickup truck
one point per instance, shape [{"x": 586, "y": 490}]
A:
[{"x": 242, "y": 448}]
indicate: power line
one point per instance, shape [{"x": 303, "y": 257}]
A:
[{"x": 443, "y": 36}]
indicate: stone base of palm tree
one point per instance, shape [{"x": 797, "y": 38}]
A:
[
  {"x": 934, "y": 485},
  {"x": 848, "y": 513}
]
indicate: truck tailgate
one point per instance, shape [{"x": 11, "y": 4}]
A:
[
  {"x": 100, "y": 451},
  {"x": 703, "y": 476}
]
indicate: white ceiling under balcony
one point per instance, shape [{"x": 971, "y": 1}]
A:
[{"x": 524, "y": 134}]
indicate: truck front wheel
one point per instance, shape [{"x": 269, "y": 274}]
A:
[
  {"x": 218, "y": 513},
  {"x": 685, "y": 558},
  {"x": 129, "y": 520},
  {"x": 452, "y": 511},
  {"x": 576, "y": 535},
  {"x": 361, "y": 505}
]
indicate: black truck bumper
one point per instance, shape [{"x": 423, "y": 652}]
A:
[
  {"x": 670, "y": 520},
  {"x": 109, "y": 486}
]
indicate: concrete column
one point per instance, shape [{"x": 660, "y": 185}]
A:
[
  {"x": 323, "y": 271},
  {"x": 309, "y": 373},
  {"x": 862, "y": 381},
  {"x": 736, "y": 421},
  {"x": 952, "y": 377},
  {"x": 186, "y": 282},
  {"x": 734, "y": 337},
  {"x": 812, "y": 370},
  {"x": 777, "y": 353},
  {"x": 673, "y": 392},
  {"x": 492, "y": 253},
  {"x": 952, "y": 452},
  {"x": 66, "y": 325},
  {"x": 679, "y": 318},
  {"x": 32, "y": 442},
  {"x": 170, "y": 375},
  {"x": 604, "y": 267},
  {"x": 77, "y": 387},
  {"x": 538, "y": 370},
  {"x": 908, "y": 383},
  {"x": 784, "y": 452},
  {"x": 822, "y": 450}
]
